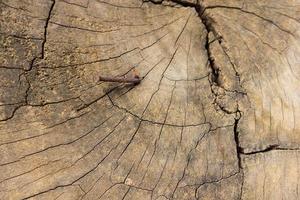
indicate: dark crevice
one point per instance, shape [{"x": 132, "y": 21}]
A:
[
  {"x": 214, "y": 69},
  {"x": 154, "y": 1},
  {"x": 185, "y": 3},
  {"x": 267, "y": 149},
  {"x": 273, "y": 147},
  {"x": 236, "y": 138},
  {"x": 46, "y": 29},
  {"x": 215, "y": 79}
]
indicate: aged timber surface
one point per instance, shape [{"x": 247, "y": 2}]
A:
[{"x": 215, "y": 116}]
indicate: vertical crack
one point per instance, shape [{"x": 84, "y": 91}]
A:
[
  {"x": 42, "y": 55},
  {"x": 236, "y": 138},
  {"x": 208, "y": 22},
  {"x": 214, "y": 69},
  {"x": 46, "y": 29}
]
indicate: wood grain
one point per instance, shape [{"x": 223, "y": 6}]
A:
[{"x": 214, "y": 117}]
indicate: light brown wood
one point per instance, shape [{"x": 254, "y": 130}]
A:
[{"x": 215, "y": 115}]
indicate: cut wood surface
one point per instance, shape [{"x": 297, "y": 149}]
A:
[{"x": 215, "y": 115}]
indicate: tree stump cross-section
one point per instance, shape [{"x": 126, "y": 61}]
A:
[{"x": 214, "y": 116}]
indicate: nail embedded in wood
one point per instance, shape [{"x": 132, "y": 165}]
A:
[{"x": 135, "y": 79}]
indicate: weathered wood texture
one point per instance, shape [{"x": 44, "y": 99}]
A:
[{"x": 216, "y": 115}]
